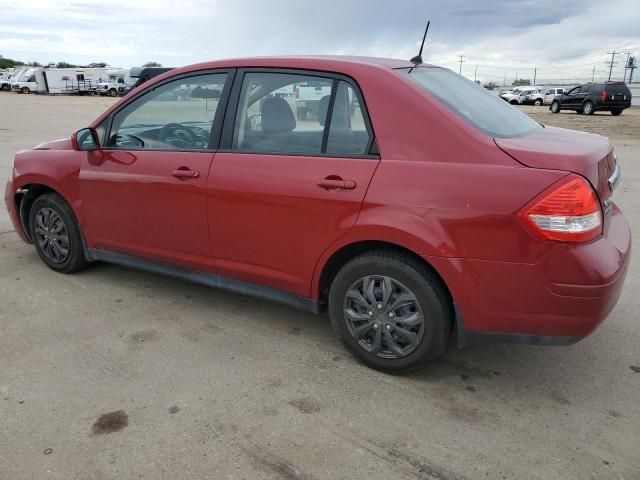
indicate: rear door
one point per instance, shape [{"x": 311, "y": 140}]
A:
[{"x": 284, "y": 186}]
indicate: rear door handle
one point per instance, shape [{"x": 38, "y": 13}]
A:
[
  {"x": 336, "y": 183},
  {"x": 184, "y": 172}
]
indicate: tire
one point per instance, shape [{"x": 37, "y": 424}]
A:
[
  {"x": 587, "y": 108},
  {"x": 408, "y": 278},
  {"x": 25, "y": 90},
  {"x": 538, "y": 103},
  {"x": 616, "y": 112},
  {"x": 52, "y": 212},
  {"x": 513, "y": 102},
  {"x": 555, "y": 107},
  {"x": 113, "y": 92}
]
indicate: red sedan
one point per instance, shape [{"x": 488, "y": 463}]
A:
[{"x": 407, "y": 200}]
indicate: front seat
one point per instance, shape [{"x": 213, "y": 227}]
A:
[{"x": 277, "y": 116}]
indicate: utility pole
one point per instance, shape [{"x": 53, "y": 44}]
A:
[
  {"x": 593, "y": 74},
  {"x": 475, "y": 74},
  {"x": 461, "y": 61},
  {"x": 535, "y": 74},
  {"x": 504, "y": 82},
  {"x": 612, "y": 62},
  {"x": 626, "y": 65}
]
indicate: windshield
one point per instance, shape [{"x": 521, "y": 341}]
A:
[{"x": 479, "y": 107}]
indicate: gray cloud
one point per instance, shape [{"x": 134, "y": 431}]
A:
[{"x": 560, "y": 37}]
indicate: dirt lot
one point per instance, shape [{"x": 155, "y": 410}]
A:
[{"x": 114, "y": 374}]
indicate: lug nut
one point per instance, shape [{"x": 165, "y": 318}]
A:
[
  {"x": 380, "y": 306},
  {"x": 392, "y": 314},
  {"x": 370, "y": 313},
  {"x": 375, "y": 326},
  {"x": 388, "y": 327}
]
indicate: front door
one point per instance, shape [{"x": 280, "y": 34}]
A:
[
  {"x": 144, "y": 192},
  {"x": 292, "y": 177}
]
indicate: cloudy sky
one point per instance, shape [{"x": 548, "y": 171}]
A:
[{"x": 564, "y": 39}]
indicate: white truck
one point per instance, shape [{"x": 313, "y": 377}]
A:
[
  {"x": 58, "y": 80},
  {"x": 516, "y": 96},
  {"x": 308, "y": 97},
  {"x": 116, "y": 80}
]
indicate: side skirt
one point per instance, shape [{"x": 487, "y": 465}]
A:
[{"x": 209, "y": 279}]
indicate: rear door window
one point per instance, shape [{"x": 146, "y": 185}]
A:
[
  {"x": 348, "y": 134},
  {"x": 290, "y": 113}
]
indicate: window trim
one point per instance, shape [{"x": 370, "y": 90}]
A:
[
  {"x": 216, "y": 128},
  {"x": 226, "y": 139}
]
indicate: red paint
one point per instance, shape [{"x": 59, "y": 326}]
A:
[{"x": 441, "y": 189}]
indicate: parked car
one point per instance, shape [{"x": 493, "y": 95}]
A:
[
  {"x": 535, "y": 97},
  {"x": 514, "y": 96},
  {"x": 589, "y": 98},
  {"x": 426, "y": 207},
  {"x": 5, "y": 81},
  {"x": 552, "y": 93}
]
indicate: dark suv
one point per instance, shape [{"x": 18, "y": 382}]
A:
[{"x": 593, "y": 97}]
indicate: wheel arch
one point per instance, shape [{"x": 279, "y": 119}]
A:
[
  {"x": 342, "y": 255},
  {"x": 26, "y": 195}
]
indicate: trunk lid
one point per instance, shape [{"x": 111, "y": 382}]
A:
[{"x": 552, "y": 148}]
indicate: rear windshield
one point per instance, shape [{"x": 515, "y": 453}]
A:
[
  {"x": 476, "y": 105},
  {"x": 618, "y": 88}
]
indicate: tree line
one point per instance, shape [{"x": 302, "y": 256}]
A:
[{"x": 11, "y": 63}]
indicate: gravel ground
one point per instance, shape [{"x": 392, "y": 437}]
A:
[{"x": 113, "y": 373}]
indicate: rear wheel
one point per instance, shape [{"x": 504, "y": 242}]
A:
[
  {"x": 538, "y": 102},
  {"x": 56, "y": 234},
  {"x": 555, "y": 107},
  {"x": 587, "y": 108},
  {"x": 113, "y": 92},
  {"x": 25, "y": 90},
  {"x": 390, "y": 310},
  {"x": 615, "y": 112}
]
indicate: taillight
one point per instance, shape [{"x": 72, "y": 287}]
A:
[
  {"x": 604, "y": 95},
  {"x": 568, "y": 211}
]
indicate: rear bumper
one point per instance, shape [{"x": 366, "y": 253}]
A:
[{"x": 557, "y": 301}]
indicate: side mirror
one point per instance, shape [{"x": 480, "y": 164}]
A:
[{"x": 87, "y": 140}]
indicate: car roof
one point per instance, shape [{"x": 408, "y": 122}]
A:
[{"x": 318, "y": 62}]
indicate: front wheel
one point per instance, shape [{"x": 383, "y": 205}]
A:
[
  {"x": 616, "y": 112},
  {"x": 555, "y": 107},
  {"x": 538, "y": 103},
  {"x": 56, "y": 234},
  {"x": 390, "y": 310},
  {"x": 113, "y": 92},
  {"x": 25, "y": 90}
]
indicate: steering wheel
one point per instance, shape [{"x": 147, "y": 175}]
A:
[{"x": 178, "y": 135}]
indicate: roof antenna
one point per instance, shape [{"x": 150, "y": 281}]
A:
[{"x": 418, "y": 58}]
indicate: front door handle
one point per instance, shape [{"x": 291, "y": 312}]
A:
[
  {"x": 184, "y": 172},
  {"x": 336, "y": 183}
]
